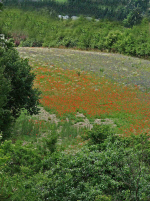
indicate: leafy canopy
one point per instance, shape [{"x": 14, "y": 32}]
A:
[{"x": 18, "y": 91}]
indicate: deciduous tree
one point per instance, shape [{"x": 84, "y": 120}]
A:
[{"x": 16, "y": 86}]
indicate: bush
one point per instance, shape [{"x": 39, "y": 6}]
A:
[
  {"x": 118, "y": 172},
  {"x": 98, "y": 134},
  {"x": 19, "y": 164},
  {"x": 1, "y": 5},
  {"x": 31, "y": 43},
  {"x": 19, "y": 159},
  {"x": 133, "y": 18},
  {"x": 112, "y": 38}
]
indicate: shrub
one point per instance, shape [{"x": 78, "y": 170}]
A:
[
  {"x": 5, "y": 88},
  {"x": 117, "y": 172},
  {"x": 30, "y": 43},
  {"x": 1, "y": 5},
  {"x": 19, "y": 165},
  {"x": 133, "y": 18},
  {"x": 98, "y": 134},
  {"x": 112, "y": 38}
]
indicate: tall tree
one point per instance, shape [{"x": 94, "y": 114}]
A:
[
  {"x": 1, "y": 4},
  {"x": 16, "y": 87}
]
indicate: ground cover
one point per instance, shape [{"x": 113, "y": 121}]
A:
[{"x": 67, "y": 89}]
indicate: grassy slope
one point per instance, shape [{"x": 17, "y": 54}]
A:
[
  {"x": 36, "y": 134},
  {"x": 130, "y": 111},
  {"x": 117, "y": 67}
]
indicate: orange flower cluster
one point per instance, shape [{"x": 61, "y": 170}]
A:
[{"x": 67, "y": 91}]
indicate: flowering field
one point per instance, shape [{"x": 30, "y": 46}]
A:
[{"x": 68, "y": 91}]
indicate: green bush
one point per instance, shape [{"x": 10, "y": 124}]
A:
[
  {"x": 120, "y": 170},
  {"x": 20, "y": 163},
  {"x": 98, "y": 134},
  {"x": 112, "y": 39},
  {"x": 103, "y": 198},
  {"x": 1, "y": 5},
  {"x": 133, "y": 18},
  {"x": 30, "y": 43},
  {"x": 117, "y": 172},
  {"x": 5, "y": 114},
  {"x": 20, "y": 159}
]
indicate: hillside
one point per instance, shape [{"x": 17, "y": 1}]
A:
[
  {"x": 51, "y": 156},
  {"x": 116, "y": 67},
  {"x": 130, "y": 11},
  {"x": 38, "y": 28},
  {"x": 75, "y": 101}
]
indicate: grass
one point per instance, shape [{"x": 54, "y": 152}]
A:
[
  {"x": 32, "y": 130},
  {"x": 29, "y": 128}
]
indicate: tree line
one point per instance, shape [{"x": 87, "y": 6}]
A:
[{"x": 131, "y": 12}]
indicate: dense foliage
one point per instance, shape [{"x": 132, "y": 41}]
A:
[
  {"x": 39, "y": 29},
  {"x": 1, "y": 5},
  {"x": 113, "y": 168},
  {"x": 112, "y": 9},
  {"x": 16, "y": 86}
]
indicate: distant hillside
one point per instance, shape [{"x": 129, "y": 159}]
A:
[
  {"x": 36, "y": 29},
  {"x": 130, "y": 11}
]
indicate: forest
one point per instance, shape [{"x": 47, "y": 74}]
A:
[{"x": 130, "y": 11}]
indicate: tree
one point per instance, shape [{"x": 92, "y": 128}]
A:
[
  {"x": 1, "y": 4},
  {"x": 5, "y": 117},
  {"x": 133, "y": 18},
  {"x": 17, "y": 92}
]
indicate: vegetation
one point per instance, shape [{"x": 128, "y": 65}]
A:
[
  {"x": 132, "y": 11},
  {"x": 31, "y": 29},
  {"x": 16, "y": 89},
  {"x": 1, "y": 5},
  {"x": 115, "y": 168},
  {"x": 41, "y": 160}
]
